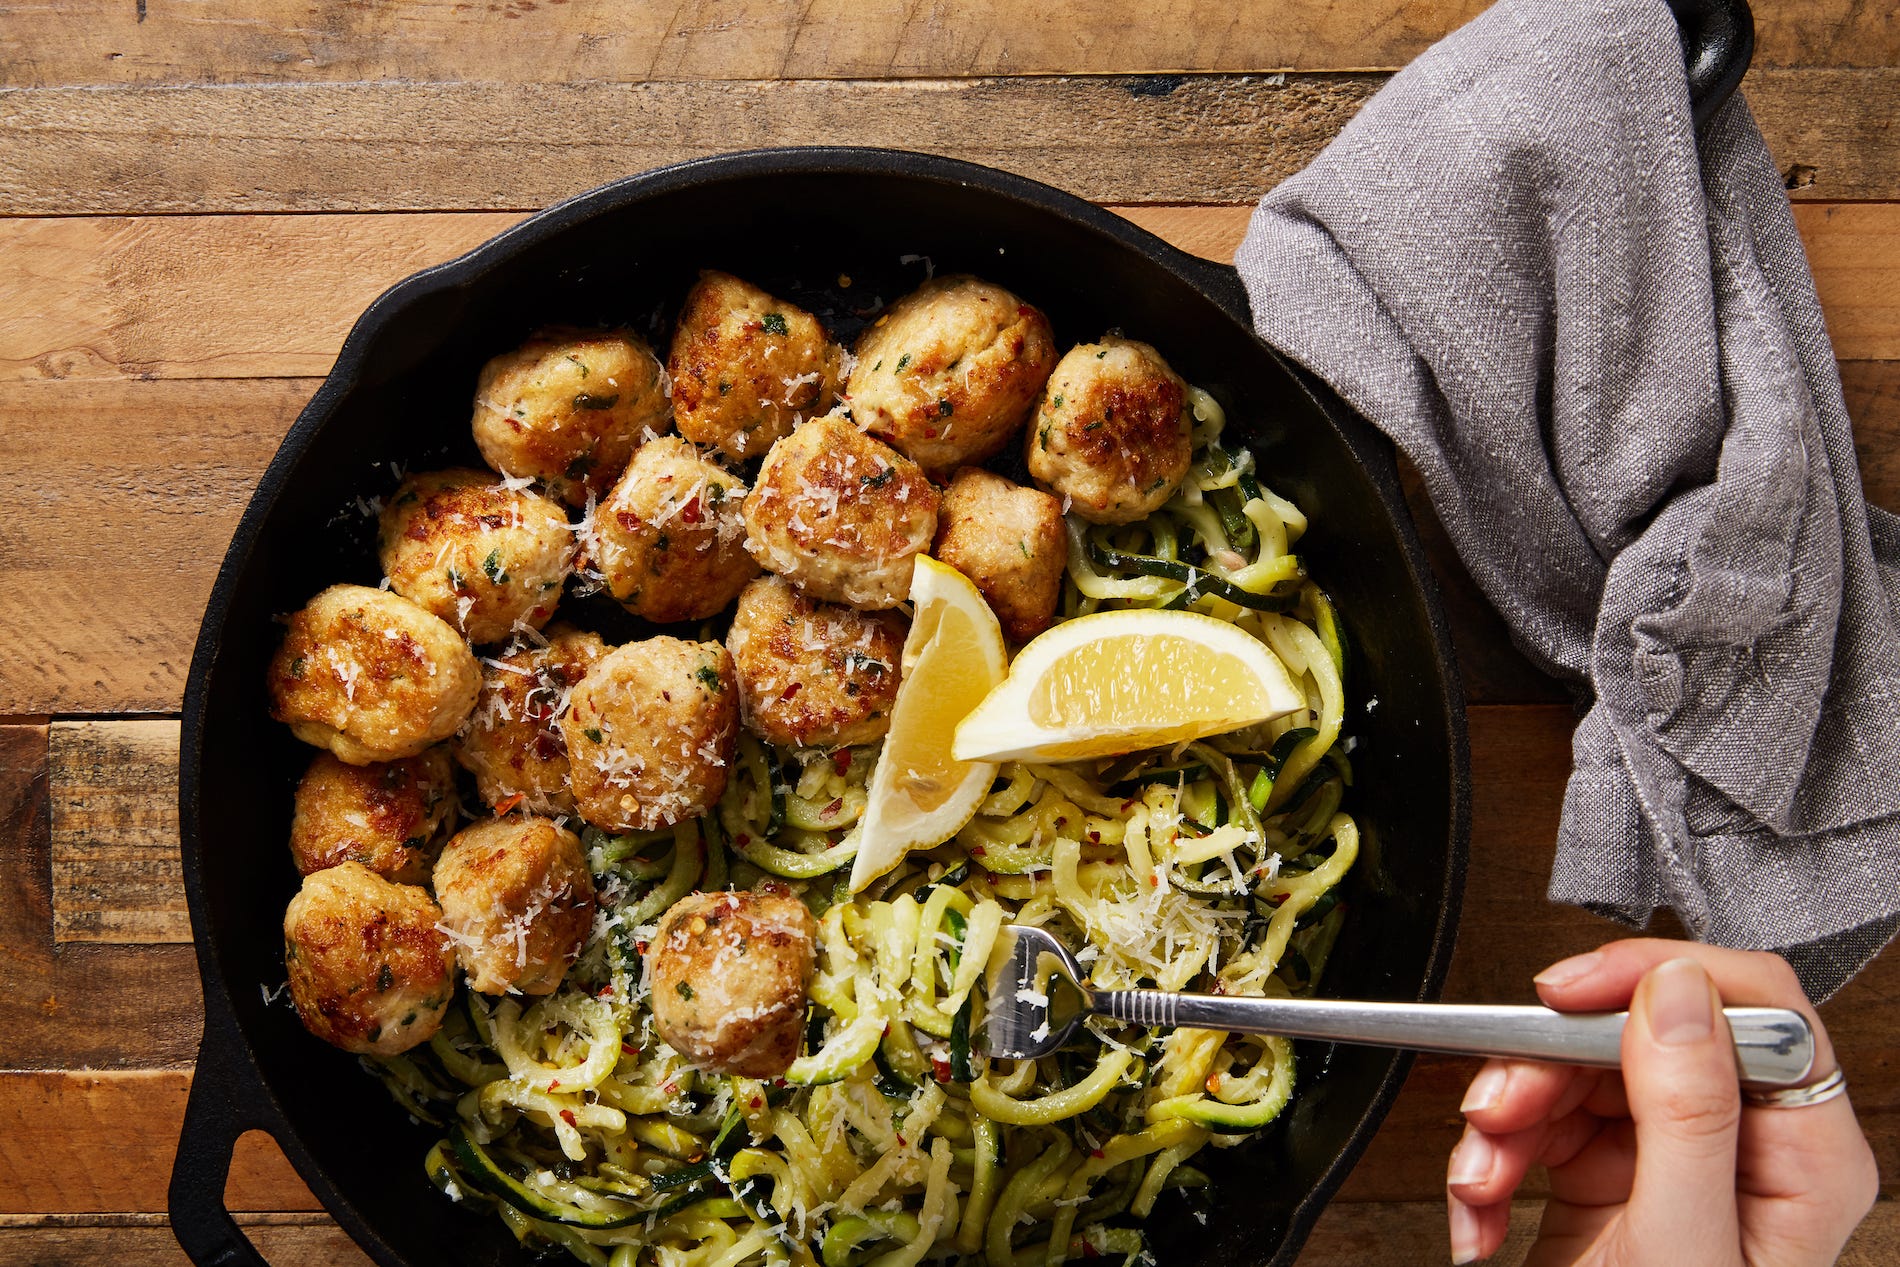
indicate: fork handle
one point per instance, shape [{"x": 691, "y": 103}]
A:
[{"x": 1774, "y": 1046}]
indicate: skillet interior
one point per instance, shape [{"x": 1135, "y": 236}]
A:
[{"x": 792, "y": 221}]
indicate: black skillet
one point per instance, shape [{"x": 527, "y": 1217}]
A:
[{"x": 794, "y": 220}]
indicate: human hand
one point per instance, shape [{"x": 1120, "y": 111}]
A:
[{"x": 1661, "y": 1163}]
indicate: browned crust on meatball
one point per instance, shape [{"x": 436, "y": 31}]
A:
[
  {"x": 747, "y": 366},
  {"x": 385, "y": 816},
  {"x": 972, "y": 355},
  {"x": 371, "y": 676},
  {"x": 728, "y": 974},
  {"x": 513, "y": 743},
  {"x": 813, "y": 674},
  {"x": 1010, "y": 541},
  {"x": 841, "y": 515},
  {"x": 669, "y": 541},
  {"x": 369, "y": 971},
  {"x": 650, "y": 733},
  {"x": 1115, "y": 439},
  {"x": 517, "y": 901}
]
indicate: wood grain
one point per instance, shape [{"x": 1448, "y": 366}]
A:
[
  {"x": 103, "y": 42},
  {"x": 499, "y": 146},
  {"x": 114, "y": 839}
]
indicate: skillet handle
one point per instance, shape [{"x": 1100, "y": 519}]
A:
[
  {"x": 215, "y": 1116},
  {"x": 1718, "y": 40}
]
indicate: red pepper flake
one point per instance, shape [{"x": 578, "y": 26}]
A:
[
  {"x": 1154, "y": 881},
  {"x": 841, "y": 760},
  {"x": 628, "y": 1049},
  {"x": 1213, "y": 1084},
  {"x": 671, "y": 1088},
  {"x": 1095, "y": 837},
  {"x": 689, "y": 513},
  {"x": 742, "y": 839},
  {"x": 639, "y": 948},
  {"x": 757, "y": 1102},
  {"x": 978, "y": 850},
  {"x": 567, "y": 1115},
  {"x": 831, "y": 810},
  {"x": 1097, "y": 1153},
  {"x": 1088, "y": 1250},
  {"x": 901, "y": 1143},
  {"x": 606, "y": 992},
  {"x": 930, "y": 433},
  {"x": 791, "y": 690},
  {"x": 507, "y": 803},
  {"x": 940, "y": 1067},
  {"x": 554, "y": 1085}
]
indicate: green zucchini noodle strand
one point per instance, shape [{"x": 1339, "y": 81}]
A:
[{"x": 1212, "y": 865}]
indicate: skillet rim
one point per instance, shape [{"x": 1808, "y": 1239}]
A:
[{"x": 226, "y": 1047}]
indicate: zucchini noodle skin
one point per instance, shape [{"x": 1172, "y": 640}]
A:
[{"x": 1215, "y": 865}]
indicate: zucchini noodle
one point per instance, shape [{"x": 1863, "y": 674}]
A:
[{"x": 1213, "y": 865}]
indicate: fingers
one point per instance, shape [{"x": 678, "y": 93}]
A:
[
  {"x": 1605, "y": 979},
  {"x": 1513, "y": 1095},
  {"x": 1486, "y": 1169},
  {"x": 1679, "y": 1075}
]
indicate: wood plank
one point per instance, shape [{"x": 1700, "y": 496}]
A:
[
  {"x": 107, "y": 1007},
  {"x": 105, "y": 42},
  {"x": 115, "y": 868},
  {"x": 497, "y": 146},
  {"x": 285, "y": 1240},
  {"x": 1873, "y": 402},
  {"x": 1854, "y": 252}
]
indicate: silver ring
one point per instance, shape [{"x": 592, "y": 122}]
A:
[{"x": 1828, "y": 1088}]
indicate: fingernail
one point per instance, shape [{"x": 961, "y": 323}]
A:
[
  {"x": 1486, "y": 1090},
  {"x": 1676, "y": 1002},
  {"x": 1464, "y": 1233},
  {"x": 1471, "y": 1160},
  {"x": 1575, "y": 968}
]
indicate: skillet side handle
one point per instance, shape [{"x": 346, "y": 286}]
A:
[
  {"x": 215, "y": 1116},
  {"x": 1718, "y": 41}
]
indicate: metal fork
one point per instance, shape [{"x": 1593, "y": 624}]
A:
[{"x": 1037, "y": 1002}]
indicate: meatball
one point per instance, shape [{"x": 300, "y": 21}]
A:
[
  {"x": 669, "y": 541},
  {"x": 369, "y": 970},
  {"x": 813, "y": 674},
  {"x": 371, "y": 676},
  {"x": 1111, "y": 431},
  {"x": 482, "y": 556},
  {"x": 728, "y": 974},
  {"x": 841, "y": 515},
  {"x": 512, "y": 743},
  {"x": 517, "y": 902},
  {"x": 569, "y": 407},
  {"x": 384, "y": 816},
  {"x": 746, "y": 367},
  {"x": 1009, "y": 540},
  {"x": 950, "y": 371},
  {"x": 650, "y": 731}
]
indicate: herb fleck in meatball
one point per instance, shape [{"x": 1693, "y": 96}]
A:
[
  {"x": 481, "y": 555},
  {"x": 650, "y": 732},
  {"x": 747, "y": 367},
  {"x": 950, "y": 371},
  {"x": 371, "y": 676},
  {"x": 813, "y": 675},
  {"x": 841, "y": 515},
  {"x": 517, "y": 902},
  {"x": 1111, "y": 432},
  {"x": 369, "y": 972},
  {"x": 569, "y": 407},
  {"x": 384, "y": 815},
  {"x": 1010, "y": 541},
  {"x": 669, "y": 541},
  {"x": 728, "y": 972},
  {"x": 513, "y": 743}
]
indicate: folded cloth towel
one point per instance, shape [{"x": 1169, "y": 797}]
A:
[{"x": 1601, "y": 347}]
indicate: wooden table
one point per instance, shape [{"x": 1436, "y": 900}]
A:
[{"x": 198, "y": 196}]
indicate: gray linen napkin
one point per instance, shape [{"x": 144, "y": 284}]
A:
[{"x": 1602, "y": 349}]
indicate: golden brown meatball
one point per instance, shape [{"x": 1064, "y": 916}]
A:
[
  {"x": 813, "y": 674},
  {"x": 669, "y": 541},
  {"x": 950, "y": 371},
  {"x": 513, "y": 744},
  {"x": 569, "y": 407},
  {"x": 369, "y": 971},
  {"x": 650, "y": 732},
  {"x": 1010, "y": 541},
  {"x": 371, "y": 676},
  {"x": 728, "y": 973},
  {"x": 841, "y": 515},
  {"x": 517, "y": 903},
  {"x": 384, "y": 816},
  {"x": 481, "y": 555},
  {"x": 747, "y": 367},
  {"x": 1111, "y": 432}
]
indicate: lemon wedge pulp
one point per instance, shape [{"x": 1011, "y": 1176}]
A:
[
  {"x": 1119, "y": 681},
  {"x": 921, "y": 794}
]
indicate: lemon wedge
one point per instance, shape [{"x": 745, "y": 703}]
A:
[
  {"x": 920, "y": 794},
  {"x": 1119, "y": 681}
]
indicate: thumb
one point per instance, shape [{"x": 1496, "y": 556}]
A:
[{"x": 1685, "y": 1098}]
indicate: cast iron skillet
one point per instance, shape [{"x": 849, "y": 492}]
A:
[{"x": 792, "y": 220}]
